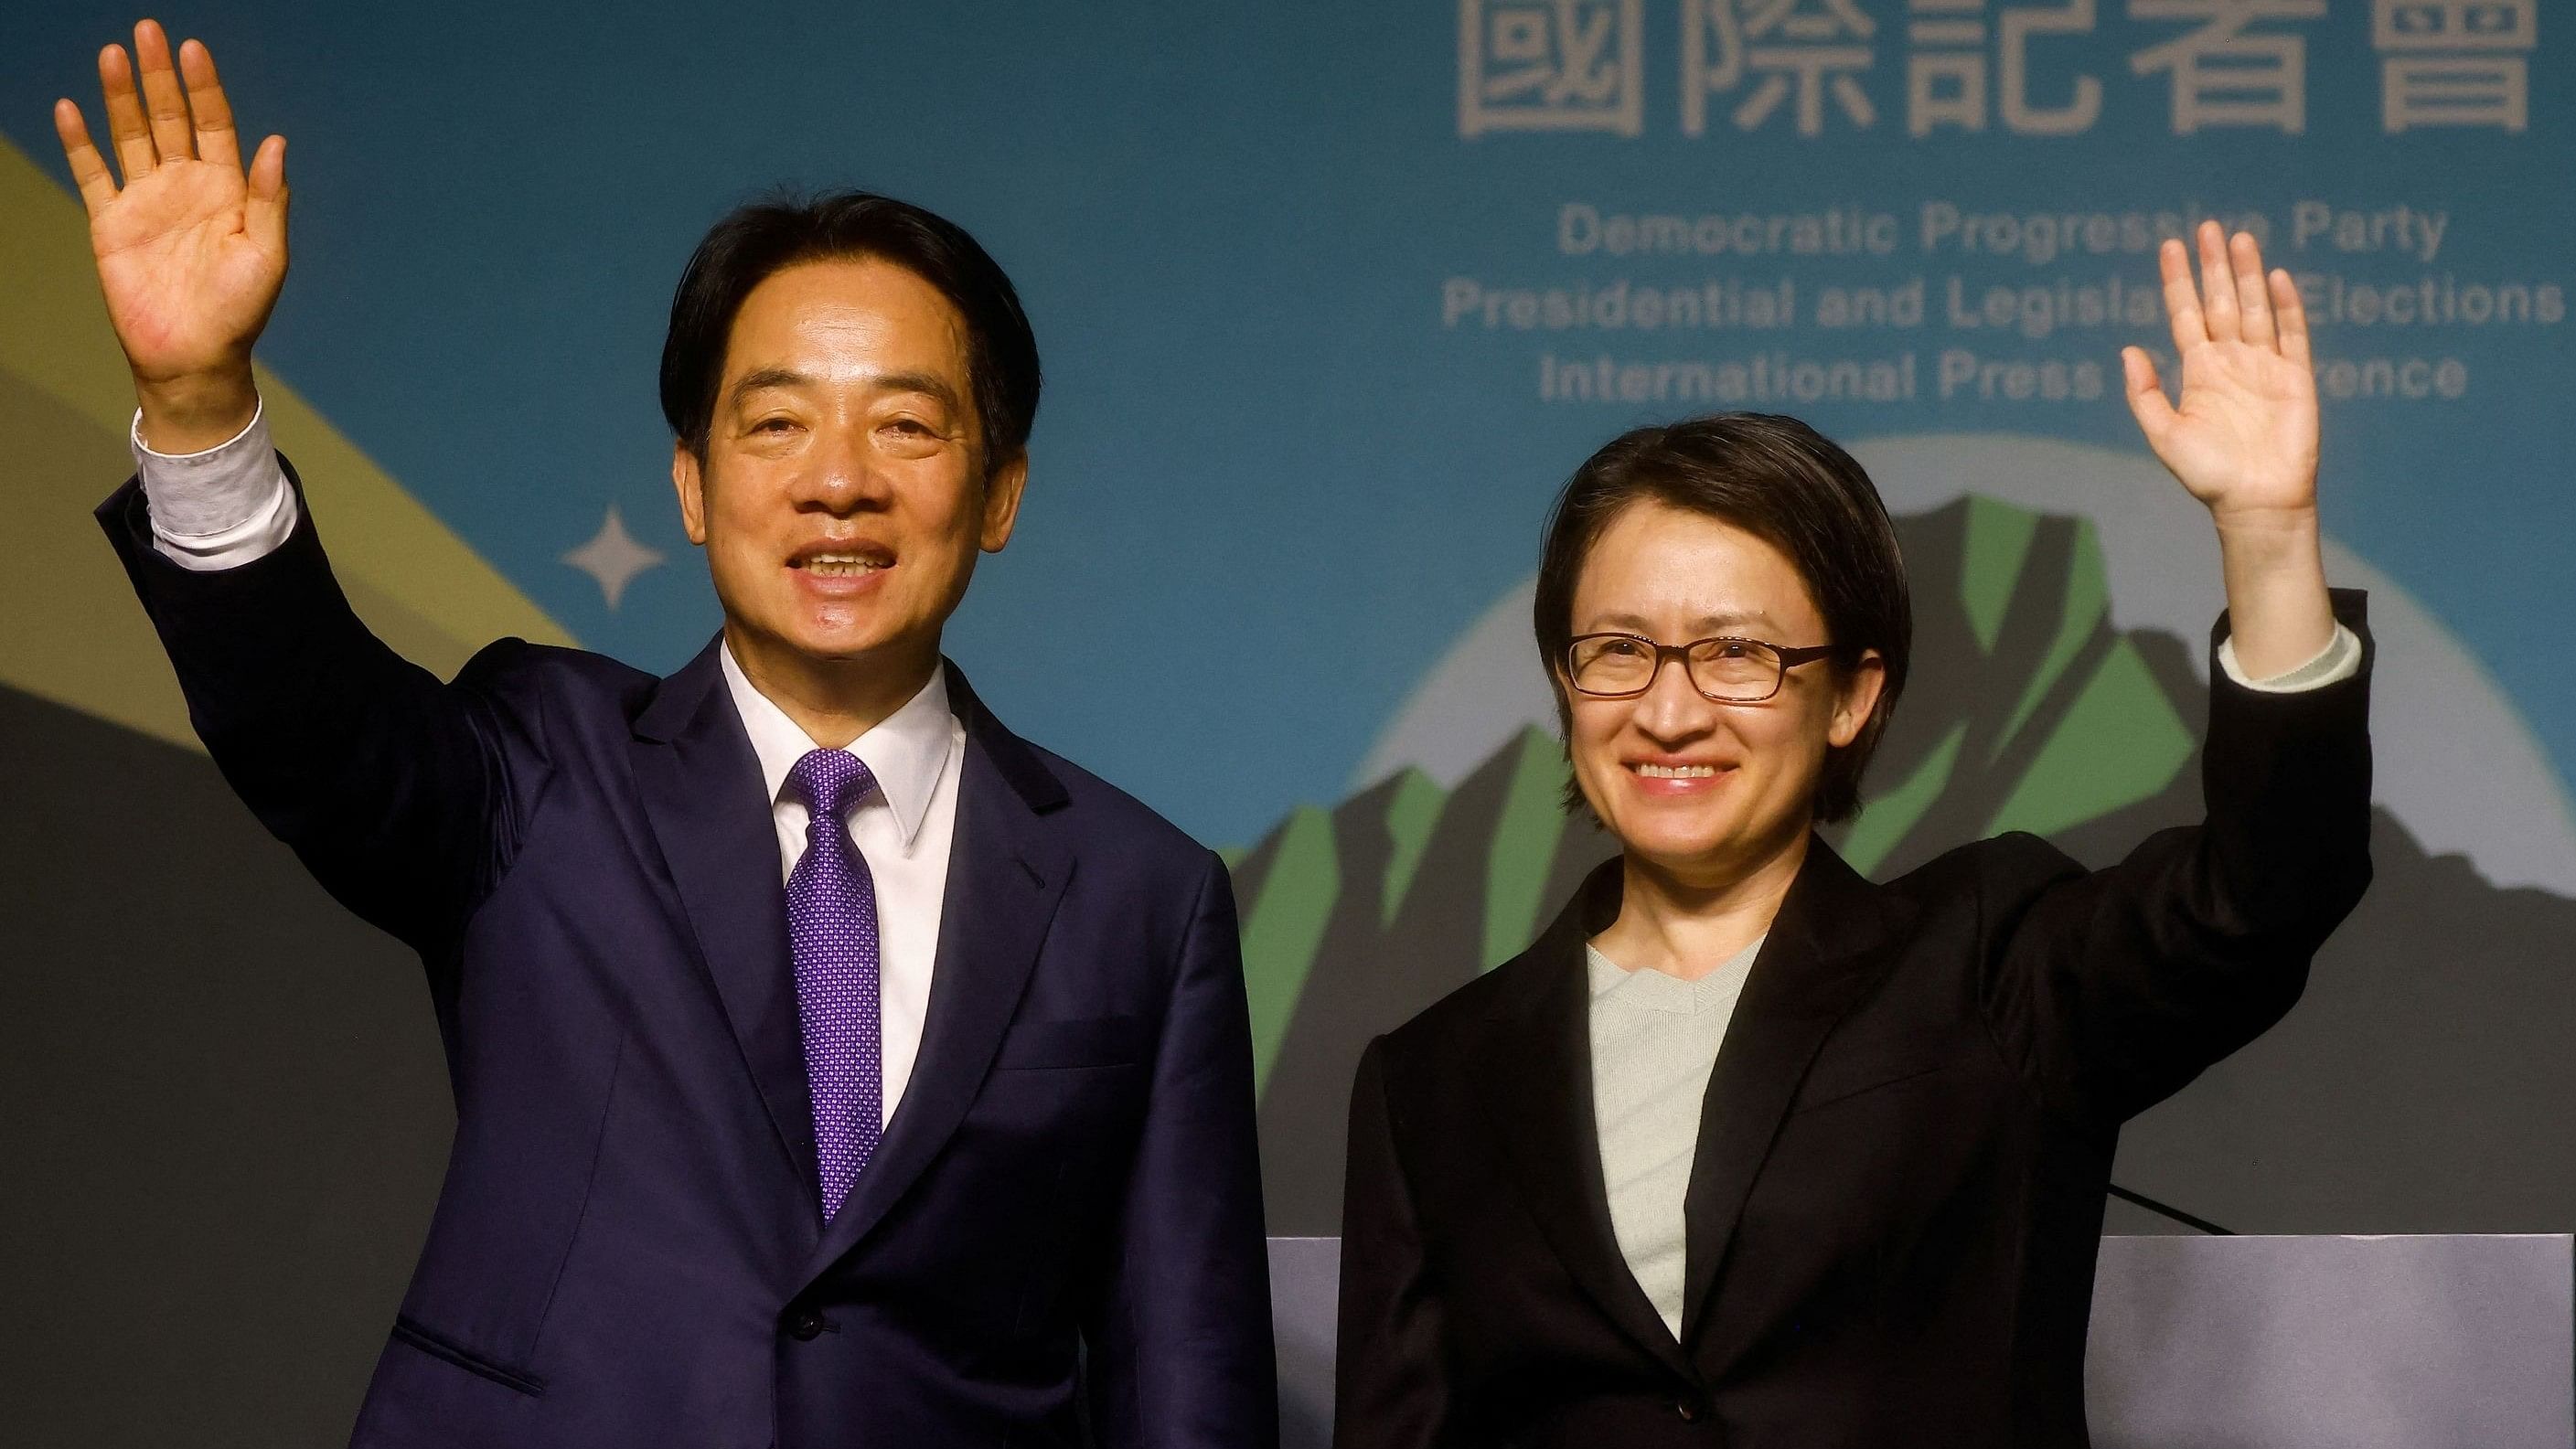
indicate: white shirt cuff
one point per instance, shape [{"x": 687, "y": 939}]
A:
[
  {"x": 220, "y": 508},
  {"x": 2338, "y": 661}
]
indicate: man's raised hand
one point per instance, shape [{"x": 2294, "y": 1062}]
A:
[{"x": 191, "y": 250}]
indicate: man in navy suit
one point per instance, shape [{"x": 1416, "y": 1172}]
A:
[{"x": 831, "y": 1065}]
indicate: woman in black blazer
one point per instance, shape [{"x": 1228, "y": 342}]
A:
[{"x": 1747, "y": 1150}]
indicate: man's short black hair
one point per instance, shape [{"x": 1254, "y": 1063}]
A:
[
  {"x": 754, "y": 242},
  {"x": 1781, "y": 481}
]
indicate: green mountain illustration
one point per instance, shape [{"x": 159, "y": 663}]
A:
[{"x": 2027, "y": 710}]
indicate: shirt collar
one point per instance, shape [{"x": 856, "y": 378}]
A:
[{"x": 907, "y": 751}]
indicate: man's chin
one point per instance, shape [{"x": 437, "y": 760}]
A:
[
  {"x": 836, "y": 650},
  {"x": 827, "y": 647}
]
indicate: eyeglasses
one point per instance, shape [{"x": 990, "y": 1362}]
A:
[{"x": 1730, "y": 671}]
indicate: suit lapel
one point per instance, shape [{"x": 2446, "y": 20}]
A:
[
  {"x": 1548, "y": 1129},
  {"x": 1825, "y": 948},
  {"x": 702, "y": 791},
  {"x": 1006, "y": 874}
]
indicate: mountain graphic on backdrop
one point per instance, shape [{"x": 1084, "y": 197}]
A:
[{"x": 2371, "y": 1109}]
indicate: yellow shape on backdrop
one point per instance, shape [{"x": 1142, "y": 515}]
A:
[{"x": 74, "y": 633}]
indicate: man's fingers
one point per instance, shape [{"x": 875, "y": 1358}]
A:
[
  {"x": 2182, "y": 302},
  {"x": 164, "y": 104},
  {"x": 215, "y": 139},
  {"x": 2290, "y": 313},
  {"x": 126, "y": 129},
  {"x": 2217, "y": 284},
  {"x": 264, "y": 205},
  {"x": 89, "y": 169},
  {"x": 2253, "y": 293}
]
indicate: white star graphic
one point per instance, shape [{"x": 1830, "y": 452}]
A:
[{"x": 613, "y": 557}]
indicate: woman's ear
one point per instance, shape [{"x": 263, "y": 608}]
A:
[{"x": 1857, "y": 698}]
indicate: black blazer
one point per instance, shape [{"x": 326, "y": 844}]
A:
[
  {"x": 1897, "y": 1190},
  {"x": 1059, "y": 1240}
]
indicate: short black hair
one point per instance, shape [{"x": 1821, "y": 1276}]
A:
[
  {"x": 1785, "y": 483},
  {"x": 754, "y": 242}
]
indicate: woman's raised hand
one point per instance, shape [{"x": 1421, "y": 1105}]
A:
[
  {"x": 2244, "y": 437},
  {"x": 191, "y": 250},
  {"x": 2244, "y": 441}
]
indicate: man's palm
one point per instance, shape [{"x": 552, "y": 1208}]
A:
[{"x": 187, "y": 286}]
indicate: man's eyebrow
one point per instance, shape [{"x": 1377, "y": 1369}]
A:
[
  {"x": 929, "y": 383},
  {"x": 766, "y": 377}
]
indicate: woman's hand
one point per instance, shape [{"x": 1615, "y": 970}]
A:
[
  {"x": 2244, "y": 438},
  {"x": 191, "y": 251},
  {"x": 2244, "y": 441}
]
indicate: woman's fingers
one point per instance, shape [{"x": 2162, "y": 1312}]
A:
[
  {"x": 2233, "y": 300},
  {"x": 89, "y": 169},
  {"x": 165, "y": 106},
  {"x": 2182, "y": 301},
  {"x": 2217, "y": 284},
  {"x": 2146, "y": 393},
  {"x": 2253, "y": 292},
  {"x": 2290, "y": 314},
  {"x": 126, "y": 127},
  {"x": 215, "y": 139}
]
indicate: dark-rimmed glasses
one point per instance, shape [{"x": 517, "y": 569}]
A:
[{"x": 1727, "y": 670}]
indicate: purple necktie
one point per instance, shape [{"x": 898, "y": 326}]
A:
[{"x": 832, "y": 925}]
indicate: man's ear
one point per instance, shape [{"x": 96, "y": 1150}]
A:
[
  {"x": 688, "y": 478},
  {"x": 1857, "y": 699},
  {"x": 1002, "y": 502}
]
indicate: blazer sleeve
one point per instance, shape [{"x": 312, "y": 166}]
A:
[
  {"x": 1180, "y": 1347},
  {"x": 391, "y": 786},
  {"x": 2115, "y": 988},
  {"x": 1391, "y": 1381}
]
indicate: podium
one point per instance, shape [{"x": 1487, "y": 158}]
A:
[{"x": 2241, "y": 1342}]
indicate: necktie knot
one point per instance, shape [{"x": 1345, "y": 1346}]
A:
[{"x": 831, "y": 781}]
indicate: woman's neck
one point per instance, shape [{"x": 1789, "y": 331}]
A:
[{"x": 1688, "y": 927}]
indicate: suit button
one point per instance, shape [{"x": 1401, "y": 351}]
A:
[
  {"x": 1688, "y": 1409},
  {"x": 805, "y": 1325}
]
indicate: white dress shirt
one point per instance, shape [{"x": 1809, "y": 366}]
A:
[
  {"x": 225, "y": 506},
  {"x": 902, "y": 828},
  {"x": 230, "y": 505}
]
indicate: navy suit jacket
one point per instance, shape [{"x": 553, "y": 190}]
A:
[{"x": 1059, "y": 1239}]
